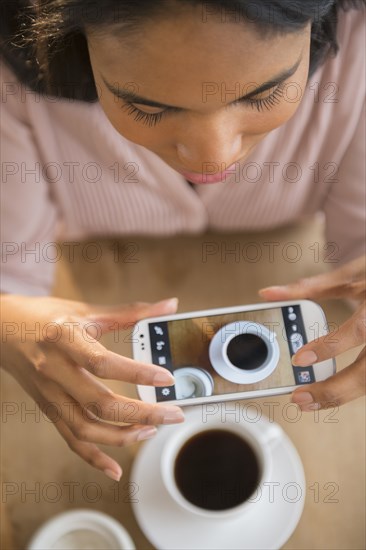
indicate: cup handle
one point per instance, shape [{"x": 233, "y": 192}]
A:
[{"x": 272, "y": 435}]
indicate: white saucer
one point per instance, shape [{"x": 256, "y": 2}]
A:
[{"x": 266, "y": 525}]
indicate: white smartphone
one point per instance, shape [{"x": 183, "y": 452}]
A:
[{"x": 231, "y": 353}]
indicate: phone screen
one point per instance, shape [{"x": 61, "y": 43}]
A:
[{"x": 230, "y": 353}]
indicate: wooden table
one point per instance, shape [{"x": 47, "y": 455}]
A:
[{"x": 42, "y": 477}]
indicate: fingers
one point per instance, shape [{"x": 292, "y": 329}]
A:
[
  {"x": 320, "y": 286},
  {"x": 347, "y": 281},
  {"x": 81, "y": 429},
  {"x": 95, "y": 396},
  {"x": 87, "y": 390},
  {"x": 352, "y": 333},
  {"x": 46, "y": 393},
  {"x": 126, "y": 315},
  {"x": 90, "y": 453},
  {"x": 341, "y": 388},
  {"x": 109, "y": 365},
  {"x": 87, "y": 428},
  {"x": 80, "y": 359}
]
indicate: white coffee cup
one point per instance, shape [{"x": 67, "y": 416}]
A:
[
  {"x": 192, "y": 382},
  {"x": 81, "y": 529},
  {"x": 244, "y": 352},
  {"x": 261, "y": 439}
]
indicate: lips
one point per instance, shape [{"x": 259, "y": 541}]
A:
[{"x": 196, "y": 177}]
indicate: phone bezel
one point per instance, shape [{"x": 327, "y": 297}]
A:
[{"x": 311, "y": 313}]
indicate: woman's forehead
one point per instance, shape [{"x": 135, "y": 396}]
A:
[{"x": 173, "y": 61}]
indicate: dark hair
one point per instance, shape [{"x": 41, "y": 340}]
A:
[{"x": 44, "y": 41}]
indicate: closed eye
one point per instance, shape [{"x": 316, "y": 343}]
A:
[
  {"x": 151, "y": 119},
  {"x": 268, "y": 101}
]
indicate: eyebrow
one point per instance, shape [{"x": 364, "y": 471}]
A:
[{"x": 132, "y": 97}]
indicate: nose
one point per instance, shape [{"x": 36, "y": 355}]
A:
[{"x": 216, "y": 145}]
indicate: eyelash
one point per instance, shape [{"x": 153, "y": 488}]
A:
[
  {"x": 152, "y": 119},
  {"x": 270, "y": 101}
]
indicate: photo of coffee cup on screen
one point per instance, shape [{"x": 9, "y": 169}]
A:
[
  {"x": 244, "y": 352},
  {"x": 227, "y": 353}
]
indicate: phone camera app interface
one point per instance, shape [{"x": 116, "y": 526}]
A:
[{"x": 230, "y": 353}]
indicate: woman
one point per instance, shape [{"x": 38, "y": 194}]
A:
[{"x": 116, "y": 115}]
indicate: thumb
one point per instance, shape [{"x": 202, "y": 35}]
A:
[
  {"x": 125, "y": 315},
  {"x": 346, "y": 385}
]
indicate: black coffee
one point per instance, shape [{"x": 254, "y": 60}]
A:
[
  {"x": 216, "y": 470},
  {"x": 247, "y": 351}
]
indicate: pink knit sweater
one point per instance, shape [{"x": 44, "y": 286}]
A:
[{"x": 67, "y": 174}]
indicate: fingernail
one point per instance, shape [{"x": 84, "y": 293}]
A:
[
  {"x": 279, "y": 291},
  {"x": 172, "y": 415},
  {"x": 146, "y": 433},
  {"x": 163, "y": 379},
  {"x": 305, "y": 358},
  {"x": 170, "y": 302},
  {"x": 271, "y": 288},
  {"x": 305, "y": 401},
  {"x": 302, "y": 398},
  {"x": 112, "y": 474},
  {"x": 312, "y": 407}
]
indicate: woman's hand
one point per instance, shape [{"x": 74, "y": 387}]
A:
[
  {"x": 346, "y": 282},
  {"x": 51, "y": 347}
]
